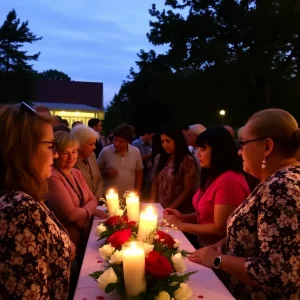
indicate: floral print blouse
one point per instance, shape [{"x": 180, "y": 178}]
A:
[
  {"x": 265, "y": 229},
  {"x": 170, "y": 186},
  {"x": 34, "y": 250}
]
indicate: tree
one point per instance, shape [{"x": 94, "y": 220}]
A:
[
  {"x": 13, "y": 36},
  {"x": 237, "y": 55},
  {"x": 17, "y": 77},
  {"x": 248, "y": 49},
  {"x": 54, "y": 75}
]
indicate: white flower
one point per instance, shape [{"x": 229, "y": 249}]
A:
[
  {"x": 119, "y": 212},
  {"x": 178, "y": 262},
  {"x": 101, "y": 228},
  {"x": 109, "y": 276},
  {"x": 117, "y": 257},
  {"x": 163, "y": 295},
  {"x": 183, "y": 293},
  {"x": 147, "y": 248},
  {"x": 177, "y": 243},
  {"x": 106, "y": 251}
]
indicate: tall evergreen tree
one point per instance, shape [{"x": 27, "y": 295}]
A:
[
  {"x": 17, "y": 77},
  {"x": 13, "y": 36}
]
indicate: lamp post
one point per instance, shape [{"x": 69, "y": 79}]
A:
[{"x": 222, "y": 113}]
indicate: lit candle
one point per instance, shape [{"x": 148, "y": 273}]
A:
[
  {"x": 133, "y": 207},
  {"x": 134, "y": 268},
  {"x": 147, "y": 225},
  {"x": 112, "y": 201}
]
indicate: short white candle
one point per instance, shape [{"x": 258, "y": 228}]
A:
[
  {"x": 133, "y": 207},
  {"x": 147, "y": 225},
  {"x": 134, "y": 268},
  {"x": 112, "y": 201}
]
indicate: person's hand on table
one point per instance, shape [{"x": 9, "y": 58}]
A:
[
  {"x": 173, "y": 220},
  {"x": 173, "y": 212},
  {"x": 100, "y": 214},
  {"x": 204, "y": 256}
]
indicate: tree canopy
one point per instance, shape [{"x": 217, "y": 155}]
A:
[
  {"x": 54, "y": 75},
  {"x": 237, "y": 55}
]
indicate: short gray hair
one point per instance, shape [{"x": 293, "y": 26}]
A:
[
  {"x": 197, "y": 129},
  {"x": 64, "y": 139},
  {"x": 83, "y": 133}
]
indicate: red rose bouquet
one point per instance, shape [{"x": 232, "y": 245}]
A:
[
  {"x": 165, "y": 270},
  {"x": 113, "y": 225}
]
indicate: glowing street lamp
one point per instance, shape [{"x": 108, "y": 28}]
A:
[{"x": 222, "y": 113}]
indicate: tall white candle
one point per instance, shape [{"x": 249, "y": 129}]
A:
[
  {"x": 133, "y": 207},
  {"x": 147, "y": 225},
  {"x": 134, "y": 268},
  {"x": 112, "y": 201}
]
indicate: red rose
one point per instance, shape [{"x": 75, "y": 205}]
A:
[
  {"x": 167, "y": 239},
  {"x": 120, "y": 237},
  {"x": 158, "y": 265},
  {"x": 131, "y": 223},
  {"x": 112, "y": 221}
]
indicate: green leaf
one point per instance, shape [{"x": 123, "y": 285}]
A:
[
  {"x": 111, "y": 287},
  {"x": 96, "y": 274}
]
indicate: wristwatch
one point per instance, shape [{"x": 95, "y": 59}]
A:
[{"x": 217, "y": 262}]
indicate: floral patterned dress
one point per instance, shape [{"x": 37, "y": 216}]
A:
[
  {"x": 34, "y": 250},
  {"x": 170, "y": 186},
  {"x": 265, "y": 229}
]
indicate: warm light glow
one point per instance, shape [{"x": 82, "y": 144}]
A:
[
  {"x": 133, "y": 249},
  {"x": 76, "y": 114},
  {"x": 111, "y": 192},
  {"x": 222, "y": 112},
  {"x": 149, "y": 210}
]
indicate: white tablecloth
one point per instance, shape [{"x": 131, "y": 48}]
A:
[{"x": 205, "y": 284}]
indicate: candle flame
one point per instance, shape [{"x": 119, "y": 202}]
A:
[
  {"x": 111, "y": 191},
  {"x": 149, "y": 210},
  {"x": 133, "y": 245}
]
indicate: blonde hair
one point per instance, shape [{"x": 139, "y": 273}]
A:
[
  {"x": 280, "y": 126},
  {"x": 21, "y": 133},
  {"x": 83, "y": 133},
  {"x": 64, "y": 139}
]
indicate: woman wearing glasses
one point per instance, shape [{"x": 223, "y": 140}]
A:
[
  {"x": 69, "y": 196},
  {"x": 86, "y": 161},
  {"x": 35, "y": 249},
  {"x": 261, "y": 252}
]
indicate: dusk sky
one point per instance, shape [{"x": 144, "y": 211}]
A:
[{"x": 91, "y": 40}]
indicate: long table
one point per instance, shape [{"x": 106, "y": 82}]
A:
[{"x": 205, "y": 284}]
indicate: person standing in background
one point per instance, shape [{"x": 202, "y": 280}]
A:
[
  {"x": 121, "y": 164},
  {"x": 96, "y": 124},
  {"x": 143, "y": 143}
]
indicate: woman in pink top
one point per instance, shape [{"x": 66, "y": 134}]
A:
[
  {"x": 222, "y": 189},
  {"x": 69, "y": 196}
]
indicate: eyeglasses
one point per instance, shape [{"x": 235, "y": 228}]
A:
[
  {"x": 26, "y": 108},
  {"x": 53, "y": 147},
  {"x": 242, "y": 143}
]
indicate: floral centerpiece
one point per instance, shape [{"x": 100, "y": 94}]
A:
[{"x": 157, "y": 272}]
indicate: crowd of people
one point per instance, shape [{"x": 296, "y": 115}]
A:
[{"x": 236, "y": 199}]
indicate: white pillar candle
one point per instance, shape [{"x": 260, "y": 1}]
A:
[
  {"x": 112, "y": 201},
  {"x": 133, "y": 207},
  {"x": 134, "y": 268},
  {"x": 147, "y": 225}
]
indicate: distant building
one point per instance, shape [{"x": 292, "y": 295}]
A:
[{"x": 72, "y": 100}]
